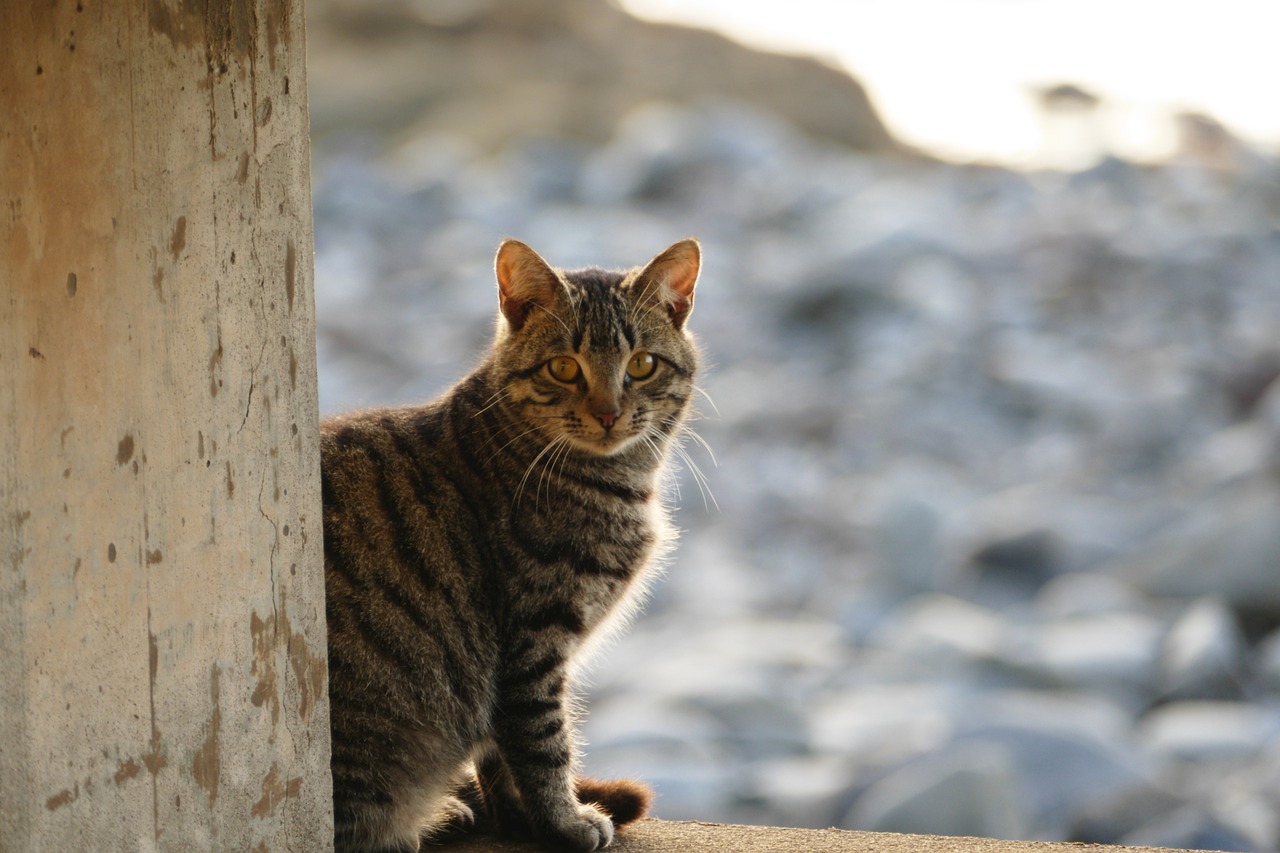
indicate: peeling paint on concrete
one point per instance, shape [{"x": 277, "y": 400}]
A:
[
  {"x": 310, "y": 672},
  {"x": 178, "y": 241},
  {"x": 206, "y": 766},
  {"x": 124, "y": 450},
  {"x": 127, "y": 770},
  {"x": 62, "y": 798},
  {"x": 275, "y": 791},
  {"x": 265, "y": 692}
]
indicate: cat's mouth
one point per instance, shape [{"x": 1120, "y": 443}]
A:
[{"x": 605, "y": 442}]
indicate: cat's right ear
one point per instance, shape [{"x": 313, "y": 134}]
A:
[
  {"x": 525, "y": 282},
  {"x": 669, "y": 279}
]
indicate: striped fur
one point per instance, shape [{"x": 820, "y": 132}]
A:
[{"x": 476, "y": 544}]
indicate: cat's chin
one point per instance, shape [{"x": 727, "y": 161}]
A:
[{"x": 609, "y": 444}]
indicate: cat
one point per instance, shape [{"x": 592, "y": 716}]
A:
[{"x": 475, "y": 544}]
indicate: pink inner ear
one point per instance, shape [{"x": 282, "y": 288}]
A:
[
  {"x": 678, "y": 308},
  {"x": 515, "y": 310},
  {"x": 676, "y": 269},
  {"x": 524, "y": 279}
]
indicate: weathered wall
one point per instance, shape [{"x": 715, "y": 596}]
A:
[{"x": 162, "y": 647}]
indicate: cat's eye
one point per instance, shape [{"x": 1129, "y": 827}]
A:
[
  {"x": 642, "y": 365},
  {"x": 564, "y": 369}
]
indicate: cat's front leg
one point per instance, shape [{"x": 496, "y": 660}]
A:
[
  {"x": 495, "y": 799},
  {"x": 534, "y": 733}
]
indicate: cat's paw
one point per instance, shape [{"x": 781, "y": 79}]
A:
[
  {"x": 586, "y": 828},
  {"x": 454, "y": 818}
]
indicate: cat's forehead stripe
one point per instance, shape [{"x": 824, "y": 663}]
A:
[{"x": 603, "y": 312}]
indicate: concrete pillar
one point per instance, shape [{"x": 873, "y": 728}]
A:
[{"x": 162, "y": 643}]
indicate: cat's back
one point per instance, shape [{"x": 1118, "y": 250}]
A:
[
  {"x": 411, "y": 450},
  {"x": 370, "y": 458},
  {"x": 382, "y": 435},
  {"x": 397, "y": 491},
  {"x": 366, "y": 440}
]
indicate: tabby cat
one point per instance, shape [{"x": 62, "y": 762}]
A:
[{"x": 474, "y": 544}]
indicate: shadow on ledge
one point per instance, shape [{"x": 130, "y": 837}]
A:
[{"x": 651, "y": 836}]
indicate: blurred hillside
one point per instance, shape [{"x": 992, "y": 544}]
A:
[{"x": 486, "y": 70}]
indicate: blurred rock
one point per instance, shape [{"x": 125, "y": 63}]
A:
[
  {"x": 759, "y": 727},
  {"x": 1202, "y": 655},
  {"x": 1255, "y": 816},
  {"x": 1102, "y": 820},
  {"x": 1236, "y": 452},
  {"x": 1268, "y": 661},
  {"x": 944, "y": 631},
  {"x": 1202, "y": 730},
  {"x": 1116, "y": 651},
  {"x": 967, "y": 789},
  {"x": 1057, "y": 765},
  {"x": 1086, "y": 594},
  {"x": 801, "y": 791},
  {"x": 910, "y": 544},
  {"x": 1189, "y": 828},
  {"x": 1227, "y": 544},
  {"x": 1012, "y": 567},
  {"x": 882, "y": 724},
  {"x": 1031, "y": 554},
  {"x": 1268, "y": 409},
  {"x": 1068, "y": 747}
]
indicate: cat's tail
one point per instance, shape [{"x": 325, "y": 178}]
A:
[{"x": 623, "y": 800}]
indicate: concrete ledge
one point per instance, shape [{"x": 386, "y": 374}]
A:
[{"x": 651, "y": 836}]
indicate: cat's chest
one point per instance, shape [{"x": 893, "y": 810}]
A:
[{"x": 592, "y": 556}]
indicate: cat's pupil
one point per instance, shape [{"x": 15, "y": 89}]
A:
[
  {"x": 642, "y": 365},
  {"x": 563, "y": 368}
]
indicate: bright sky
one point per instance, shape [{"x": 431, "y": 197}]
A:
[{"x": 956, "y": 76}]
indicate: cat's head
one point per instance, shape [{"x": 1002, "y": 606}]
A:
[{"x": 595, "y": 359}]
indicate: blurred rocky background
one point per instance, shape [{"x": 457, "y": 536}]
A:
[{"x": 990, "y": 543}]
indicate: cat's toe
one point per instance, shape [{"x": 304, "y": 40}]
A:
[
  {"x": 589, "y": 829},
  {"x": 456, "y": 818},
  {"x": 458, "y": 813}
]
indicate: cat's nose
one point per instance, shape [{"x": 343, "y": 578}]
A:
[{"x": 607, "y": 419}]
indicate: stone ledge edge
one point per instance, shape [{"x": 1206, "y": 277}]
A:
[{"x": 652, "y": 836}]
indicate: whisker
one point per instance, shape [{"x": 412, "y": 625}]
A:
[
  {"x": 648, "y": 438},
  {"x": 547, "y": 467},
  {"x": 519, "y": 495},
  {"x": 707, "y": 397},
  {"x": 636, "y": 306},
  {"x": 685, "y": 429},
  {"x": 699, "y": 478},
  {"x": 704, "y": 486},
  {"x": 560, "y": 458},
  {"x": 492, "y": 401},
  {"x": 529, "y": 431},
  {"x": 556, "y": 317}
]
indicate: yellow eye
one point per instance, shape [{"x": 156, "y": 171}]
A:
[
  {"x": 564, "y": 368},
  {"x": 642, "y": 365}
]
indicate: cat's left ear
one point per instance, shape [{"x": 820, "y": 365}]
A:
[
  {"x": 669, "y": 279},
  {"x": 525, "y": 281}
]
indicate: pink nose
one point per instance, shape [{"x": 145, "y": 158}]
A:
[{"x": 607, "y": 419}]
